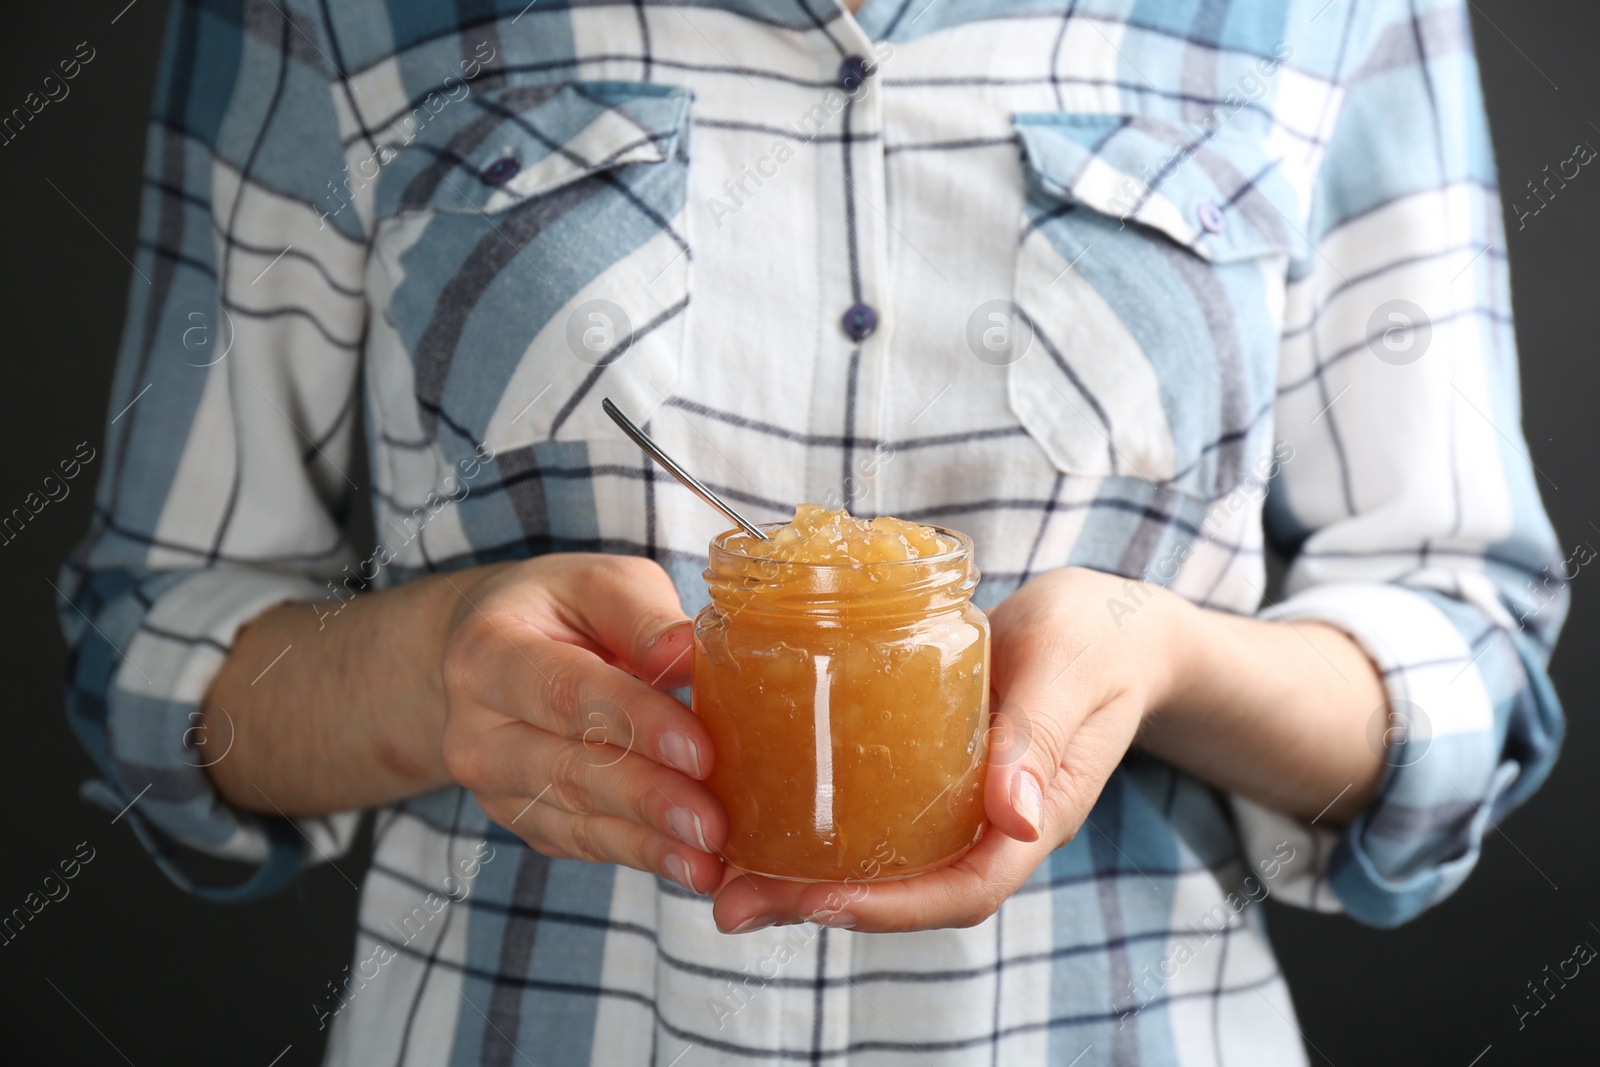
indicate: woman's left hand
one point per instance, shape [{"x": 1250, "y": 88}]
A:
[{"x": 1079, "y": 658}]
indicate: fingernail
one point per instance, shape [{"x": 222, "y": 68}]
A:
[
  {"x": 685, "y": 826},
  {"x": 838, "y": 920},
  {"x": 1027, "y": 799},
  {"x": 758, "y": 922},
  {"x": 678, "y": 871},
  {"x": 680, "y": 752},
  {"x": 661, "y": 634}
]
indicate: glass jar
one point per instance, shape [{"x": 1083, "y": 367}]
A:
[{"x": 848, "y": 705}]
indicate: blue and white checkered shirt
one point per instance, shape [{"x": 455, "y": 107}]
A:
[{"x": 1137, "y": 285}]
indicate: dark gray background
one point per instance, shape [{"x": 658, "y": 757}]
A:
[{"x": 146, "y": 975}]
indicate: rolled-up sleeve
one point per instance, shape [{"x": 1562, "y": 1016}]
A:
[
  {"x": 224, "y": 478},
  {"x": 1410, "y": 508}
]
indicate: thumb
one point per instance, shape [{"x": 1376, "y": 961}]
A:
[
  {"x": 1024, "y": 754},
  {"x": 666, "y": 660},
  {"x": 629, "y": 607}
]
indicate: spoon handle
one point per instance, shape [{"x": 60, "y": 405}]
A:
[{"x": 690, "y": 482}]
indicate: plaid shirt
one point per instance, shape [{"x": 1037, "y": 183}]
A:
[{"x": 1144, "y": 287}]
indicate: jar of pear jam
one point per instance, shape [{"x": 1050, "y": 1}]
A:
[{"x": 843, "y": 673}]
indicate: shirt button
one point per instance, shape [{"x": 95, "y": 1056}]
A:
[
  {"x": 852, "y": 72},
  {"x": 500, "y": 171},
  {"x": 1211, "y": 217},
  {"x": 859, "y": 322}
]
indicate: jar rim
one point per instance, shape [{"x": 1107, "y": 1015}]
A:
[{"x": 963, "y": 549}]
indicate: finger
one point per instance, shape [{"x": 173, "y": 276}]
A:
[
  {"x": 1093, "y": 754},
  {"x": 578, "y": 779},
  {"x": 1031, "y": 726},
  {"x": 628, "y": 606},
  {"x": 746, "y": 903},
  {"x": 585, "y": 700},
  {"x": 603, "y": 839},
  {"x": 960, "y": 895},
  {"x": 673, "y": 650},
  {"x": 570, "y": 692}
]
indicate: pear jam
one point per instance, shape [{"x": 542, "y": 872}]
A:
[{"x": 844, "y": 675}]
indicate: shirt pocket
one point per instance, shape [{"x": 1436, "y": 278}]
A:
[
  {"x": 1150, "y": 272},
  {"x": 534, "y": 246}
]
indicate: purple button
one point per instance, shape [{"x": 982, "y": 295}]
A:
[
  {"x": 859, "y": 322},
  {"x": 852, "y": 72},
  {"x": 1211, "y": 217},
  {"x": 500, "y": 171}
]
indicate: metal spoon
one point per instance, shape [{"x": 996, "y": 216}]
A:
[{"x": 690, "y": 482}]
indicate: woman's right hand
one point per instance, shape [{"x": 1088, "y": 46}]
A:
[{"x": 555, "y": 719}]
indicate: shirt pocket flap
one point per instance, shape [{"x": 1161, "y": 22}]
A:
[
  {"x": 1221, "y": 195},
  {"x": 495, "y": 149}
]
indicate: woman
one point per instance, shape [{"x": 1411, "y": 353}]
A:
[{"x": 1129, "y": 295}]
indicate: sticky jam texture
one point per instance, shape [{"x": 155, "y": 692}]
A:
[
  {"x": 820, "y": 535},
  {"x": 843, "y": 674}
]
